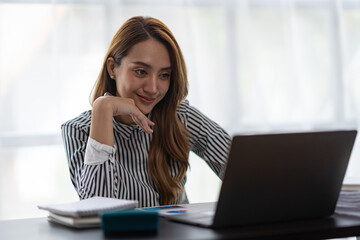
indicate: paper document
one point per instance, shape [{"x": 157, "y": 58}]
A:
[{"x": 89, "y": 207}]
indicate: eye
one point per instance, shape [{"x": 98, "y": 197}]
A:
[
  {"x": 165, "y": 76},
  {"x": 140, "y": 72}
]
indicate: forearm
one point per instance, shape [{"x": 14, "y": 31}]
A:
[{"x": 102, "y": 122}]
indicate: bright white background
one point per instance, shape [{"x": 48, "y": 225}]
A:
[{"x": 254, "y": 66}]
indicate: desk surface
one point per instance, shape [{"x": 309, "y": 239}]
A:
[{"x": 333, "y": 227}]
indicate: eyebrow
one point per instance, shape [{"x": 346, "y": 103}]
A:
[{"x": 149, "y": 66}]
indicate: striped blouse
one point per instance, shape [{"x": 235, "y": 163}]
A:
[{"x": 121, "y": 171}]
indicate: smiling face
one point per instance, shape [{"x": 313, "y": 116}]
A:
[{"x": 144, "y": 74}]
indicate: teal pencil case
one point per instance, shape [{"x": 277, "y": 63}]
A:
[{"x": 129, "y": 221}]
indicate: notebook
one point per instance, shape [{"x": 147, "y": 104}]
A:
[
  {"x": 75, "y": 222},
  {"x": 275, "y": 177},
  {"x": 89, "y": 207},
  {"x": 85, "y": 213}
]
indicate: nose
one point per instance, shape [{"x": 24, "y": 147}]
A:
[{"x": 151, "y": 85}]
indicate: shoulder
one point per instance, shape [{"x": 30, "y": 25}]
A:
[
  {"x": 186, "y": 110},
  {"x": 183, "y": 107},
  {"x": 81, "y": 122},
  {"x": 189, "y": 114},
  {"x": 183, "y": 110}
]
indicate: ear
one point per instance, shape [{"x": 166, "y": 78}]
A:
[{"x": 110, "y": 66}]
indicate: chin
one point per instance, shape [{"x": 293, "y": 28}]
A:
[{"x": 146, "y": 110}]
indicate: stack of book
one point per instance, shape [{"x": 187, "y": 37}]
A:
[{"x": 85, "y": 213}]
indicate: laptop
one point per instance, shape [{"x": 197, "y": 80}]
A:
[{"x": 274, "y": 178}]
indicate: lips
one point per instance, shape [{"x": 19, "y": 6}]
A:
[{"x": 146, "y": 100}]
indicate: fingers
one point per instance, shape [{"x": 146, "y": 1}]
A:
[
  {"x": 143, "y": 122},
  {"x": 126, "y": 106}
]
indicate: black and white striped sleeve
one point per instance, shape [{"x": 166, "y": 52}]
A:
[
  {"x": 207, "y": 139},
  {"x": 92, "y": 168}
]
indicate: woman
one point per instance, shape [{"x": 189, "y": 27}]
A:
[{"x": 135, "y": 142}]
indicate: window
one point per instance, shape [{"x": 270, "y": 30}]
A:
[{"x": 253, "y": 66}]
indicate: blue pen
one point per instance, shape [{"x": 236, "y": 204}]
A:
[
  {"x": 160, "y": 207},
  {"x": 177, "y": 211}
]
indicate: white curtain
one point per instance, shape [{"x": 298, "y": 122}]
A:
[{"x": 253, "y": 65}]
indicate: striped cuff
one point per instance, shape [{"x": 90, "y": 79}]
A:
[{"x": 98, "y": 153}]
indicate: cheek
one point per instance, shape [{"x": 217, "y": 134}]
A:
[
  {"x": 125, "y": 85},
  {"x": 165, "y": 87},
  {"x": 122, "y": 89}
]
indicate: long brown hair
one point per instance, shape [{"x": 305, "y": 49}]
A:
[{"x": 169, "y": 143}]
